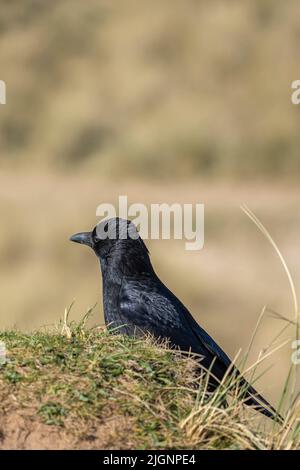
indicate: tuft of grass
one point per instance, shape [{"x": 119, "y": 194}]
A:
[{"x": 80, "y": 382}]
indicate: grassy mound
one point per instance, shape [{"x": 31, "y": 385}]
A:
[{"x": 93, "y": 390}]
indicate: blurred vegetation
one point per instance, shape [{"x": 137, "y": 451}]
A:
[{"x": 157, "y": 88}]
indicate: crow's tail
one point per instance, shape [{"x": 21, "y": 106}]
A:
[{"x": 255, "y": 400}]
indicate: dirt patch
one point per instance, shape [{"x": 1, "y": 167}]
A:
[{"x": 25, "y": 431}]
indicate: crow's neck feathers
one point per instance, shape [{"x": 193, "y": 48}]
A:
[{"x": 124, "y": 259}]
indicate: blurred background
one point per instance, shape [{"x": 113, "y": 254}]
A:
[{"x": 163, "y": 101}]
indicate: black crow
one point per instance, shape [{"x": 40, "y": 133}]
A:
[{"x": 135, "y": 300}]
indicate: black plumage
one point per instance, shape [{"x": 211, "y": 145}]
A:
[{"x": 136, "y": 301}]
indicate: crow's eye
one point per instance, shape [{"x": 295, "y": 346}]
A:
[
  {"x": 100, "y": 233},
  {"x": 95, "y": 237}
]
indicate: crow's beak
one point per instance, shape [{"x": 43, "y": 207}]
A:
[{"x": 84, "y": 238}]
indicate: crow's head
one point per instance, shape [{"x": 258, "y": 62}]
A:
[{"x": 110, "y": 235}]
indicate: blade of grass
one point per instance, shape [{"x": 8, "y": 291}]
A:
[{"x": 268, "y": 236}]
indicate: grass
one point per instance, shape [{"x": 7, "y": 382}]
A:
[{"x": 92, "y": 389}]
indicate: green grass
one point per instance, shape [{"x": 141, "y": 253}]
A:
[
  {"x": 94, "y": 375},
  {"x": 78, "y": 385}
]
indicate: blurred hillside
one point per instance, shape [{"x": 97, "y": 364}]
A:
[{"x": 156, "y": 88}]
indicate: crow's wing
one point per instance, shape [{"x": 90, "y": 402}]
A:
[
  {"x": 151, "y": 307},
  {"x": 207, "y": 340}
]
